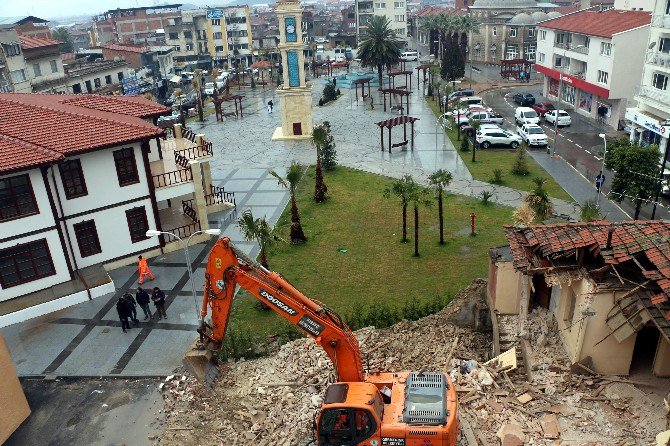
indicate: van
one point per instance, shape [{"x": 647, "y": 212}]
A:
[
  {"x": 526, "y": 115},
  {"x": 467, "y": 101},
  {"x": 409, "y": 55}
]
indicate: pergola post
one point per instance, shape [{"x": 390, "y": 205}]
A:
[
  {"x": 404, "y": 131},
  {"x": 412, "y": 146},
  {"x": 410, "y": 80},
  {"x": 384, "y": 93},
  {"x": 407, "y": 96},
  {"x": 390, "y": 140},
  {"x": 241, "y": 111},
  {"x": 381, "y": 128}
]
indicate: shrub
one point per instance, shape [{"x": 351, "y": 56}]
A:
[
  {"x": 590, "y": 211},
  {"x": 524, "y": 215},
  {"x": 320, "y": 101},
  {"x": 465, "y": 144},
  {"x": 339, "y": 92},
  {"x": 497, "y": 177},
  {"x": 329, "y": 92},
  {"x": 538, "y": 199},
  {"x": 486, "y": 195},
  {"x": 253, "y": 82},
  {"x": 429, "y": 92},
  {"x": 520, "y": 166}
]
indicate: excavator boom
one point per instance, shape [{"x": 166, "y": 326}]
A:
[{"x": 228, "y": 267}]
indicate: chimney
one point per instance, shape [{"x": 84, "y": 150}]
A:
[{"x": 610, "y": 231}]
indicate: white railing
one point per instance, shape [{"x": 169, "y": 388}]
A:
[
  {"x": 655, "y": 94},
  {"x": 659, "y": 59},
  {"x": 660, "y": 21},
  {"x": 574, "y": 47}
]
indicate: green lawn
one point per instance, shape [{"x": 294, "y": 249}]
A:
[
  {"x": 490, "y": 159},
  {"x": 377, "y": 267}
]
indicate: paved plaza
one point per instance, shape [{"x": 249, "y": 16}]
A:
[{"x": 87, "y": 340}]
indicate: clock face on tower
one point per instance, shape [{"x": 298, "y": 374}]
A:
[{"x": 289, "y": 27}]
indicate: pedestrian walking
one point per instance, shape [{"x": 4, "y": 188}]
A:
[
  {"x": 158, "y": 297},
  {"x": 270, "y": 105},
  {"x": 143, "y": 269},
  {"x": 124, "y": 313},
  {"x": 522, "y": 75},
  {"x": 132, "y": 306},
  {"x": 143, "y": 299}
]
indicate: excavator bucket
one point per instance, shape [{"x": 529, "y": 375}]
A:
[{"x": 202, "y": 363}]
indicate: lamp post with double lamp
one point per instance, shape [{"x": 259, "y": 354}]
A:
[
  {"x": 558, "y": 102},
  {"x": 184, "y": 245},
  {"x": 602, "y": 168}
]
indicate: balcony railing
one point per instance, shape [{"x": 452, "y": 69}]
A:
[
  {"x": 188, "y": 134},
  {"x": 187, "y": 208},
  {"x": 180, "y": 159},
  {"x": 171, "y": 178},
  {"x": 660, "y": 21},
  {"x": 577, "y": 48},
  {"x": 193, "y": 153},
  {"x": 217, "y": 196},
  {"x": 659, "y": 59},
  {"x": 655, "y": 94},
  {"x": 186, "y": 230}
]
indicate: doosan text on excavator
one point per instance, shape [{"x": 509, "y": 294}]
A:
[{"x": 359, "y": 409}]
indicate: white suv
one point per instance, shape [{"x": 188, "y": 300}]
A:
[
  {"x": 497, "y": 137},
  {"x": 526, "y": 115},
  {"x": 563, "y": 117},
  {"x": 533, "y": 135}
]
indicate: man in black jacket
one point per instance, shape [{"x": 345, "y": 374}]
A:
[
  {"x": 143, "y": 300},
  {"x": 132, "y": 306},
  {"x": 124, "y": 313},
  {"x": 159, "y": 300}
]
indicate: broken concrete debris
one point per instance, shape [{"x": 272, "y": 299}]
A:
[{"x": 272, "y": 401}]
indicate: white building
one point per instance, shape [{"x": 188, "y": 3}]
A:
[
  {"x": 598, "y": 56},
  {"x": 653, "y": 97},
  {"x": 634, "y": 5},
  {"x": 83, "y": 177},
  {"x": 395, "y": 11}
]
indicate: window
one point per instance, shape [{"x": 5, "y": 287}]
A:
[
  {"x": 664, "y": 45},
  {"x": 512, "y": 31},
  {"x": 11, "y": 49},
  {"x": 494, "y": 51},
  {"x": 602, "y": 77},
  {"x": 531, "y": 32},
  {"x": 667, "y": 8},
  {"x": 605, "y": 48},
  {"x": 529, "y": 51},
  {"x": 494, "y": 31},
  {"x": 218, "y": 49},
  {"x": 560, "y": 39},
  {"x": 17, "y": 198},
  {"x": 399, "y": 32},
  {"x": 126, "y": 168},
  {"x": 560, "y": 61},
  {"x": 18, "y": 75},
  {"x": 216, "y": 22},
  {"x": 87, "y": 238},
  {"x": 218, "y": 35},
  {"x": 570, "y": 305},
  {"x": 188, "y": 35},
  {"x": 380, "y": 5},
  {"x": 177, "y": 48},
  {"x": 54, "y": 66},
  {"x": 73, "y": 179},
  {"x": 189, "y": 47},
  {"x": 120, "y": 75},
  {"x": 512, "y": 52},
  {"x": 478, "y": 51},
  {"x": 540, "y": 57},
  {"x": 398, "y": 4},
  {"x": 137, "y": 224},
  {"x": 660, "y": 81},
  {"x": 96, "y": 82},
  {"x": 543, "y": 35},
  {"x": 37, "y": 71},
  {"x": 25, "y": 263},
  {"x": 173, "y": 36},
  {"x": 400, "y": 17},
  {"x": 108, "y": 79},
  {"x": 587, "y": 41}
]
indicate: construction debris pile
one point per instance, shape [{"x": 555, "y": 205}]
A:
[{"x": 271, "y": 401}]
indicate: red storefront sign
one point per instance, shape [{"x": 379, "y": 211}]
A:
[{"x": 574, "y": 81}]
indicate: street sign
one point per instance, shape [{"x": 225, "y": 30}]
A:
[{"x": 215, "y": 13}]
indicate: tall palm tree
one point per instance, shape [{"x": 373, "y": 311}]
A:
[
  {"x": 401, "y": 189},
  {"x": 197, "y": 85},
  {"x": 291, "y": 181},
  {"x": 380, "y": 47},
  {"x": 465, "y": 25},
  {"x": 319, "y": 139},
  {"x": 439, "y": 180},
  {"x": 418, "y": 196},
  {"x": 258, "y": 229}
]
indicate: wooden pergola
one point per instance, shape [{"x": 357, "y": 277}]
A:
[
  {"x": 362, "y": 82},
  {"x": 399, "y": 92},
  {"x": 390, "y": 123},
  {"x": 401, "y": 64},
  {"x": 236, "y": 98},
  {"x": 424, "y": 68},
  {"x": 317, "y": 66},
  {"x": 407, "y": 74}
]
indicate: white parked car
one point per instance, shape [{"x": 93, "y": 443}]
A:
[
  {"x": 497, "y": 137},
  {"x": 533, "y": 135},
  {"x": 209, "y": 88},
  {"x": 526, "y": 115},
  {"x": 484, "y": 117},
  {"x": 466, "y": 110},
  {"x": 563, "y": 117}
]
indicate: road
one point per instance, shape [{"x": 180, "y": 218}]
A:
[{"x": 578, "y": 144}]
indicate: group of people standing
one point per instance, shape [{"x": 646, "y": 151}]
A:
[{"x": 127, "y": 306}]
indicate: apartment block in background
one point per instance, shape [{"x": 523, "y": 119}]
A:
[{"x": 134, "y": 25}]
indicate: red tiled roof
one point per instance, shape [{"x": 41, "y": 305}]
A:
[
  {"x": 37, "y": 124},
  {"x": 126, "y": 47},
  {"x": 30, "y": 42},
  {"x": 434, "y": 10},
  {"x": 601, "y": 24},
  {"x": 67, "y": 56},
  {"x": 125, "y": 105}
]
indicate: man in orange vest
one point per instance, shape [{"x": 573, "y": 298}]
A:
[{"x": 144, "y": 270}]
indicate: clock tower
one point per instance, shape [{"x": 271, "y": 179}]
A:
[{"x": 295, "y": 94}]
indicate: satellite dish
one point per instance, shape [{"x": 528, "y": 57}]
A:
[{"x": 117, "y": 58}]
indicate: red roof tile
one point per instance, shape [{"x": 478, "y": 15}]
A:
[
  {"x": 127, "y": 105},
  {"x": 126, "y": 47},
  {"x": 435, "y": 10},
  {"x": 29, "y": 42},
  {"x": 601, "y": 24},
  {"x": 35, "y": 126}
]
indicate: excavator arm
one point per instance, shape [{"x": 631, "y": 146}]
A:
[{"x": 228, "y": 267}]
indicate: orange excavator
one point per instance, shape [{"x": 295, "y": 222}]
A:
[{"x": 360, "y": 409}]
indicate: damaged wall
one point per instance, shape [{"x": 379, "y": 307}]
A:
[{"x": 504, "y": 287}]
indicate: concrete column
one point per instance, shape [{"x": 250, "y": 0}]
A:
[
  {"x": 177, "y": 131},
  {"x": 206, "y": 177},
  {"x": 199, "y": 195},
  {"x": 200, "y": 141}
]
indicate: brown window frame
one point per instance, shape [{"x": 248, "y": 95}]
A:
[
  {"x": 32, "y": 246},
  {"x": 134, "y": 237},
  {"x": 124, "y": 156},
  {"x": 72, "y": 168},
  {"x": 15, "y": 203},
  {"x": 87, "y": 238}
]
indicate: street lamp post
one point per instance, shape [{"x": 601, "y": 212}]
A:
[
  {"x": 184, "y": 245},
  {"x": 602, "y": 168}
]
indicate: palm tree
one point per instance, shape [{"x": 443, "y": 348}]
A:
[
  {"x": 465, "y": 25},
  {"x": 418, "y": 196},
  {"x": 293, "y": 176},
  {"x": 538, "y": 199},
  {"x": 439, "y": 180},
  {"x": 258, "y": 229},
  {"x": 402, "y": 189},
  {"x": 319, "y": 139},
  {"x": 380, "y": 47}
]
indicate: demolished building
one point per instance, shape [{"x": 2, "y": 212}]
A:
[{"x": 607, "y": 285}]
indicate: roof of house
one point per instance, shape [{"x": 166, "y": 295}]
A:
[
  {"x": 39, "y": 128},
  {"x": 434, "y": 10},
  {"x": 30, "y": 42},
  {"x": 601, "y": 24},
  {"x": 126, "y": 47},
  {"x": 20, "y": 20}
]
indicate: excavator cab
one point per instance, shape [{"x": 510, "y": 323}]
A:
[{"x": 350, "y": 416}]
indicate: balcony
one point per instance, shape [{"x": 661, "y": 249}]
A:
[
  {"x": 658, "y": 59},
  {"x": 654, "y": 94},
  {"x": 660, "y": 21},
  {"x": 573, "y": 47}
]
